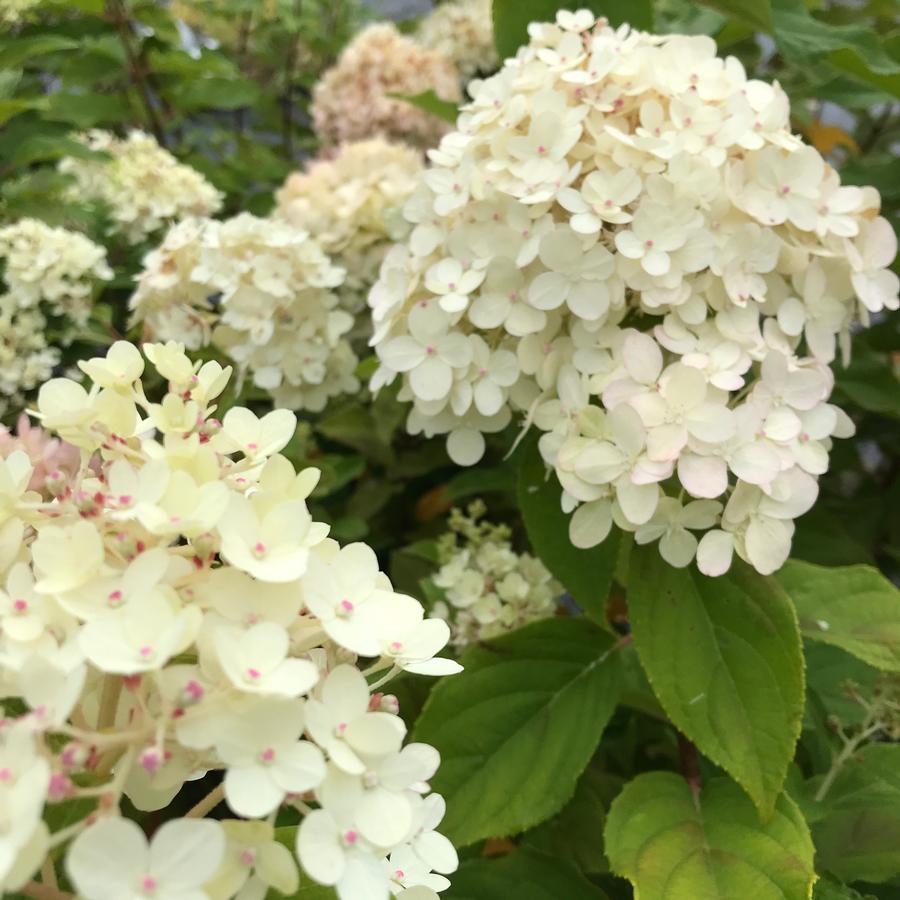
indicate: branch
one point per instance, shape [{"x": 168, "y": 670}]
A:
[{"x": 118, "y": 14}]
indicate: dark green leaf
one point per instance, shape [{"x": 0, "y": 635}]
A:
[
  {"x": 522, "y": 875},
  {"x": 852, "y": 607},
  {"x": 216, "y": 93},
  {"x": 725, "y": 659},
  {"x": 17, "y": 50},
  {"x": 518, "y": 726},
  {"x": 755, "y": 13},
  {"x": 859, "y": 838},
  {"x": 672, "y": 845},
  {"x": 586, "y": 574}
]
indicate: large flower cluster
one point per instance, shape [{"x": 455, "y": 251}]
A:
[
  {"x": 350, "y": 201},
  {"x": 48, "y": 272},
  {"x": 174, "y": 611},
  {"x": 261, "y": 290},
  {"x": 489, "y": 589},
  {"x": 462, "y": 31},
  {"x": 143, "y": 186},
  {"x": 351, "y": 101},
  {"x": 625, "y": 241}
]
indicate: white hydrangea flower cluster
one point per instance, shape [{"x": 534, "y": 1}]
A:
[
  {"x": 489, "y": 588},
  {"x": 462, "y": 30},
  {"x": 47, "y": 272},
  {"x": 173, "y": 610},
  {"x": 350, "y": 200},
  {"x": 351, "y": 101},
  {"x": 625, "y": 241},
  {"x": 53, "y": 267},
  {"x": 261, "y": 290},
  {"x": 144, "y": 187}
]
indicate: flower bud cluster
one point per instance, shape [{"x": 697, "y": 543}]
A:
[
  {"x": 350, "y": 201},
  {"x": 489, "y": 588},
  {"x": 262, "y": 291},
  {"x": 176, "y": 611},
  {"x": 462, "y": 31},
  {"x": 624, "y": 242},
  {"x": 351, "y": 101},
  {"x": 143, "y": 186}
]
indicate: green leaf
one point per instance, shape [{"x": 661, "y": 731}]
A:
[
  {"x": 216, "y": 93},
  {"x": 519, "y": 725},
  {"x": 524, "y": 875},
  {"x": 17, "y": 50},
  {"x": 586, "y": 574},
  {"x": 829, "y": 889},
  {"x": 672, "y": 845},
  {"x": 755, "y": 13},
  {"x": 828, "y": 669},
  {"x": 88, "y": 109},
  {"x": 480, "y": 480},
  {"x": 859, "y": 837},
  {"x": 852, "y": 607},
  {"x": 512, "y": 17},
  {"x": 851, "y": 48},
  {"x": 11, "y": 108},
  {"x": 574, "y": 833},
  {"x": 431, "y": 103},
  {"x": 725, "y": 659}
]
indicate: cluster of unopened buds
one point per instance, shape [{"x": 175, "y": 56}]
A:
[
  {"x": 624, "y": 244},
  {"x": 488, "y": 588},
  {"x": 172, "y": 614}
]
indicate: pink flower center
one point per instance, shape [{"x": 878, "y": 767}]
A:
[
  {"x": 148, "y": 883},
  {"x": 125, "y": 499},
  {"x": 350, "y": 837},
  {"x": 429, "y": 350},
  {"x": 253, "y": 674},
  {"x": 259, "y": 550},
  {"x": 268, "y": 755},
  {"x": 20, "y": 606},
  {"x": 252, "y": 446},
  {"x": 146, "y": 651},
  {"x": 193, "y": 690},
  {"x": 114, "y": 599},
  {"x": 542, "y": 149},
  {"x": 248, "y": 857},
  {"x": 396, "y": 646},
  {"x": 345, "y": 607},
  {"x": 648, "y": 243},
  {"x": 399, "y": 874},
  {"x": 5, "y": 774},
  {"x": 785, "y": 189}
]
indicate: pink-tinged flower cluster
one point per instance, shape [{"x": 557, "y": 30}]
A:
[
  {"x": 350, "y": 201},
  {"x": 624, "y": 243},
  {"x": 50, "y": 457},
  {"x": 351, "y": 101}
]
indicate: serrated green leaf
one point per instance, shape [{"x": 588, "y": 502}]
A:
[
  {"x": 586, "y": 574},
  {"x": 512, "y": 17},
  {"x": 859, "y": 837},
  {"x": 524, "y": 875},
  {"x": 852, "y": 607},
  {"x": 725, "y": 659},
  {"x": 431, "y": 103},
  {"x": 518, "y": 726},
  {"x": 672, "y": 845},
  {"x": 574, "y": 833},
  {"x": 851, "y": 48}
]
